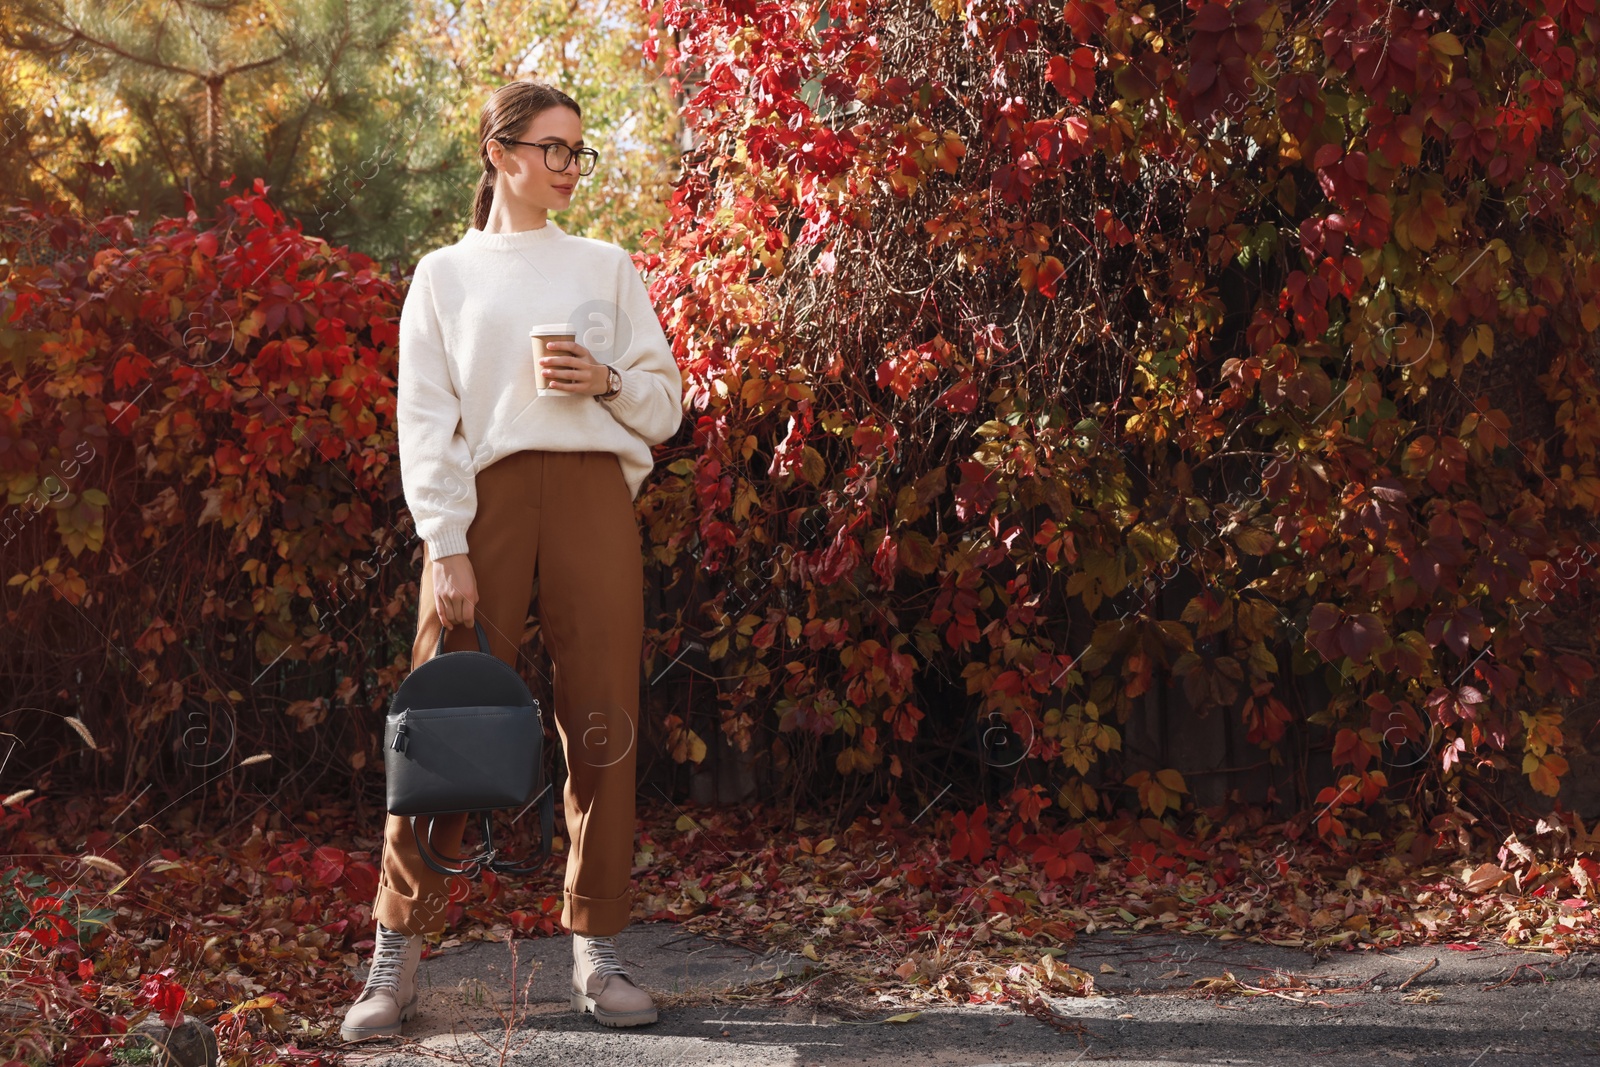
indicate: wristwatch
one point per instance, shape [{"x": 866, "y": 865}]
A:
[{"x": 613, "y": 384}]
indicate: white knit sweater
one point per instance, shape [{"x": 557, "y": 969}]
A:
[{"x": 465, "y": 394}]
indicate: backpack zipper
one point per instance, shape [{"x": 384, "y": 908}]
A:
[{"x": 401, "y": 732}]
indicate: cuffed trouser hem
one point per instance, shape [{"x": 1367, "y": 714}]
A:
[
  {"x": 409, "y": 915},
  {"x": 595, "y": 916}
]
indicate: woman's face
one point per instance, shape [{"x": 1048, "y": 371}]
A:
[{"x": 523, "y": 167}]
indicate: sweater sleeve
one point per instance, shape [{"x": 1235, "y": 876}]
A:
[
  {"x": 651, "y": 401},
  {"x": 435, "y": 459}
]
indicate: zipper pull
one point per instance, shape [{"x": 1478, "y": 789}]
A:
[{"x": 401, "y": 732}]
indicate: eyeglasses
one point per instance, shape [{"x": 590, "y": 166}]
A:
[{"x": 587, "y": 157}]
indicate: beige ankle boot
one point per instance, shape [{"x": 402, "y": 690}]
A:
[
  {"x": 390, "y": 995},
  {"x": 601, "y": 986}
]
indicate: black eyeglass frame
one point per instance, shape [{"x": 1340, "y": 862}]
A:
[{"x": 582, "y": 153}]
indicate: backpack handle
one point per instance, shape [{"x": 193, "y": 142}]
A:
[{"x": 483, "y": 638}]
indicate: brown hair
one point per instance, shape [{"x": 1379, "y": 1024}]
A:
[{"x": 507, "y": 113}]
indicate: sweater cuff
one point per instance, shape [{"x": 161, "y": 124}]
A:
[{"x": 450, "y": 541}]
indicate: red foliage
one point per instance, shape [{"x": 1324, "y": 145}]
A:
[
  {"x": 1050, "y": 313},
  {"x": 198, "y": 435}
]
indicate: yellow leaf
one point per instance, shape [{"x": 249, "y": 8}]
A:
[
  {"x": 1446, "y": 44},
  {"x": 264, "y": 1001},
  {"x": 687, "y": 746},
  {"x": 685, "y": 823},
  {"x": 1153, "y": 543},
  {"x": 1254, "y": 540},
  {"x": 1546, "y": 777},
  {"x": 809, "y": 951},
  {"x": 852, "y": 758},
  {"x": 950, "y": 151},
  {"x": 1172, "y": 780},
  {"x": 903, "y": 1017},
  {"x": 812, "y": 466},
  {"x": 744, "y": 500}
]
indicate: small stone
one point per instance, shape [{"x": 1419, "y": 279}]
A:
[{"x": 190, "y": 1044}]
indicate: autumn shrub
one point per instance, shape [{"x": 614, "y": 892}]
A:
[
  {"x": 205, "y": 546},
  {"x": 1045, "y": 361}
]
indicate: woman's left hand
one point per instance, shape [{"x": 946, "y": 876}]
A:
[{"x": 579, "y": 373}]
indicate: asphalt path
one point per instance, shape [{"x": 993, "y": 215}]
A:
[{"x": 1161, "y": 1000}]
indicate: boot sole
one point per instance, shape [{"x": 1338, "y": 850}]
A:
[
  {"x": 368, "y": 1033},
  {"x": 585, "y": 1003}
]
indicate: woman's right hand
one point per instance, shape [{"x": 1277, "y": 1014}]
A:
[{"x": 455, "y": 589}]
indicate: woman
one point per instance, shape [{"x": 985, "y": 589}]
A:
[{"x": 508, "y": 487}]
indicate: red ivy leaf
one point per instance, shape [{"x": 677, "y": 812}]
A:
[{"x": 961, "y": 398}]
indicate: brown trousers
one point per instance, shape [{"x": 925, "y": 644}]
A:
[{"x": 567, "y": 519}]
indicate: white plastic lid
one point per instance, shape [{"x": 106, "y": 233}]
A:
[{"x": 551, "y": 328}]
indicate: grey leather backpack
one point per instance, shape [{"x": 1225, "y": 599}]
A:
[{"x": 464, "y": 734}]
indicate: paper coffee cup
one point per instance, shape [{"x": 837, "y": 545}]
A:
[{"x": 550, "y": 331}]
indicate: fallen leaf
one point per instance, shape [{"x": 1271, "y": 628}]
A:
[{"x": 1484, "y": 878}]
